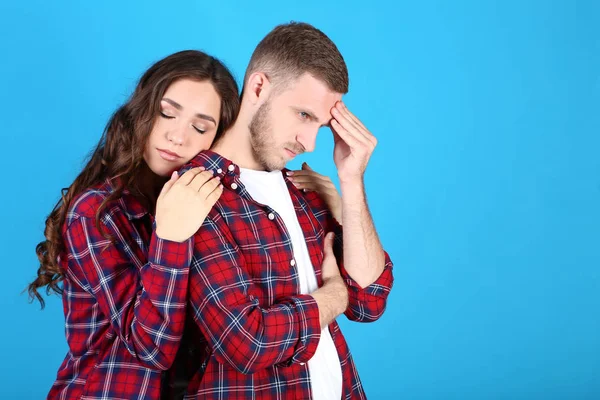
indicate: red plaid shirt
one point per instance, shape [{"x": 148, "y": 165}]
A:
[
  {"x": 254, "y": 332},
  {"x": 124, "y": 300}
]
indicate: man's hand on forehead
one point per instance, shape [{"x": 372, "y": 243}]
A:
[{"x": 354, "y": 144}]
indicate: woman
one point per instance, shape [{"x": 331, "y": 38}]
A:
[{"x": 120, "y": 238}]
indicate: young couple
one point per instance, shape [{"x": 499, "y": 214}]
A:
[{"x": 191, "y": 263}]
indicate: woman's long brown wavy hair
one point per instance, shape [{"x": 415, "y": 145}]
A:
[{"x": 119, "y": 153}]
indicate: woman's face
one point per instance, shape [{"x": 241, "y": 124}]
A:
[{"x": 186, "y": 125}]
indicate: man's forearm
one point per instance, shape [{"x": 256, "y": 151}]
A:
[{"x": 363, "y": 255}]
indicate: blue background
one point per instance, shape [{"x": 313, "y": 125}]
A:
[{"x": 485, "y": 186}]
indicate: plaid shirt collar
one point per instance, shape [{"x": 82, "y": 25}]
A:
[
  {"x": 227, "y": 170},
  {"x": 215, "y": 162}
]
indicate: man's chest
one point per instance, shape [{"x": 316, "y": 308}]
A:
[{"x": 272, "y": 246}]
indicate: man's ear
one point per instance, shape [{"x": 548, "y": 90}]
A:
[{"x": 257, "y": 88}]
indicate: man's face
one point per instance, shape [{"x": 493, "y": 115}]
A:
[{"x": 286, "y": 124}]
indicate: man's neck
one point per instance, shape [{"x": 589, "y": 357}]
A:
[{"x": 235, "y": 146}]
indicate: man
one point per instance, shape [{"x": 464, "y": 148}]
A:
[{"x": 265, "y": 283}]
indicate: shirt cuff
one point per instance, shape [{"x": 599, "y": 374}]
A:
[
  {"x": 381, "y": 287},
  {"x": 309, "y": 322},
  {"x": 170, "y": 254}
]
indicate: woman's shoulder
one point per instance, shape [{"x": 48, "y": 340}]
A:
[{"x": 87, "y": 203}]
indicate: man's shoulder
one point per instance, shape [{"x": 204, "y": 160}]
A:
[{"x": 209, "y": 160}]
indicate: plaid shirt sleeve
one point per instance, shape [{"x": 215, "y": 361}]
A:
[
  {"x": 365, "y": 304},
  {"x": 241, "y": 331},
  {"x": 146, "y": 304}
]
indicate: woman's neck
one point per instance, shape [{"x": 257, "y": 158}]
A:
[{"x": 150, "y": 185}]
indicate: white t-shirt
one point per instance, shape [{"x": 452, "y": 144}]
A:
[{"x": 269, "y": 188}]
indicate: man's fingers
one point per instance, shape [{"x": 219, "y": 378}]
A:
[
  {"x": 344, "y": 135},
  {"x": 359, "y": 127},
  {"x": 344, "y": 118},
  {"x": 351, "y": 116}
]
